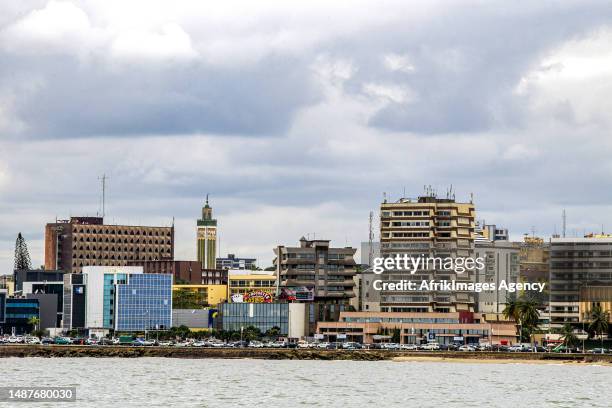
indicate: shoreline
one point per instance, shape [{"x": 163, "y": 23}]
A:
[{"x": 62, "y": 351}]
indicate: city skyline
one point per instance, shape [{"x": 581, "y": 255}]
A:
[{"x": 297, "y": 122}]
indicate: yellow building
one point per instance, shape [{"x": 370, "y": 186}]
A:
[
  {"x": 7, "y": 282},
  {"x": 593, "y": 296},
  {"x": 252, "y": 286},
  {"x": 205, "y": 295}
]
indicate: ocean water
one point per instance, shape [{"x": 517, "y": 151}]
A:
[{"x": 167, "y": 382}]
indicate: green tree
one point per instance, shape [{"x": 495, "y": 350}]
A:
[
  {"x": 273, "y": 332},
  {"x": 395, "y": 337},
  {"x": 251, "y": 333},
  {"x": 34, "y": 322},
  {"x": 599, "y": 322},
  {"x": 187, "y": 299},
  {"x": 568, "y": 336},
  {"x": 525, "y": 313}
]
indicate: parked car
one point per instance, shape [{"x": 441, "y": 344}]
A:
[
  {"x": 409, "y": 347},
  {"x": 598, "y": 350},
  {"x": 46, "y": 340},
  {"x": 303, "y": 344},
  {"x": 63, "y": 340},
  {"x": 351, "y": 345},
  {"x": 431, "y": 346},
  {"x": 391, "y": 346},
  {"x": 32, "y": 340},
  {"x": 517, "y": 348},
  {"x": 449, "y": 347},
  {"x": 92, "y": 342},
  {"x": 256, "y": 344},
  {"x": 467, "y": 347}
]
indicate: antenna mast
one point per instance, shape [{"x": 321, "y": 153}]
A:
[
  {"x": 103, "y": 181},
  {"x": 564, "y": 217},
  {"x": 371, "y": 238}
]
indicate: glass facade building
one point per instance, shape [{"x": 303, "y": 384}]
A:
[
  {"x": 143, "y": 302},
  {"x": 18, "y": 312},
  {"x": 108, "y": 311},
  {"x": 264, "y": 316}
]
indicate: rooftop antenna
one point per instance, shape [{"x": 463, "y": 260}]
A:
[
  {"x": 103, "y": 181},
  {"x": 371, "y": 239},
  {"x": 471, "y": 198},
  {"x": 533, "y": 231},
  {"x": 564, "y": 218}
]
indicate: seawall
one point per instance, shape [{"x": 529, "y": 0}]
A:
[{"x": 49, "y": 351}]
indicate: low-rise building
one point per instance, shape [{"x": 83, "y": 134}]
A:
[
  {"x": 7, "y": 282},
  {"x": 48, "y": 288},
  {"x": 204, "y": 295},
  {"x": 251, "y": 286},
  {"x": 234, "y": 262},
  {"x": 419, "y": 327},
  {"x": 292, "y": 319},
  {"x": 18, "y": 312}
]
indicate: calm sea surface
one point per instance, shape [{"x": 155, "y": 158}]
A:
[{"x": 165, "y": 382}]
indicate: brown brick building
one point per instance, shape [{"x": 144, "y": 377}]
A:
[
  {"x": 184, "y": 271},
  {"x": 84, "y": 241}
]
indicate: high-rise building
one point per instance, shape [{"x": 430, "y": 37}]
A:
[
  {"x": 534, "y": 267},
  {"x": 329, "y": 271},
  {"x": 207, "y": 238},
  {"x": 87, "y": 241},
  {"x": 578, "y": 266},
  {"x": 432, "y": 227},
  {"x": 501, "y": 259},
  {"x": 317, "y": 273},
  {"x": 234, "y": 262}
]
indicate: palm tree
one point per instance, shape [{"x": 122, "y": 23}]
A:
[
  {"x": 568, "y": 336},
  {"x": 529, "y": 315},
  {"x": 512, "y": 311},
  {"x": 34, "y": 321},
  {"x": 599, "y": 322}
]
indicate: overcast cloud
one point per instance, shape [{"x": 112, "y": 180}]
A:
[{"x": 297, "y": 117}]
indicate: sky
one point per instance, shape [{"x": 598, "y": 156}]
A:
[{"x": 296, "y": 117}]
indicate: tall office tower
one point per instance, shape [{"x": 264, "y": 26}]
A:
[
  {"x": 580, "y": 278},
  {"x": 534, "y": 267},
  {"x": 431, "y": 227},
  {"x": 87, "y": 241},
  {"x": 207, "y": 238},
  {"x": 502, "y": 263}
]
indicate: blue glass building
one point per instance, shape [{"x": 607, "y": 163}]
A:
[
  {"x": 18, "y": 312},
  {"x": 143, "y": 302},
  {"x": 264, "y": 316}
]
